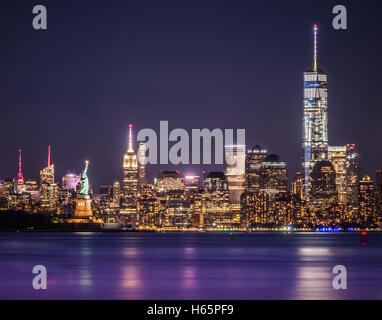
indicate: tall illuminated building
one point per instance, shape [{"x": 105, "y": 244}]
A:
[
  {"x": 130, "y": 174},
  {"x": 48, "y": 192},
  {"x": 353, "y": 173},
  {"x": 47, "y": 174},
  {"x": 141, "y": 164},
  {"x": 324, "y": 188},
  {"x": 116, "y": 193},
  {"x": 366, "y": 199},
  {"x": 315, "y": 118},
  {"x": 234, "y": 170},
  {"x": 274, "y": 175},
  {"x": 19, "y": 182},
  {"x": 337, "y": 156},
  {"x": 215, "y": 201},
  {"x": 297, "y": 187},
  {"x": 255, "y": 156}
]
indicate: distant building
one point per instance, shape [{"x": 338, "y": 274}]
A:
[
  {"x": 274, "y": 174},
  {"x": 366, "y": 200},
  {"x": 235, "y": 172},
  {"x": 116, "y": 193},
  {"x": 324, "y": 188},
  {"x": 130, "y": 174},
  {"x": 353, "y": 173},
  {"x": 215, "y": 201},
  {"x": 70, "y": 181},
  {"x": 191, "y": 183},
  {"x": 169, "y": 181},
  {"x": 255, "y": 157},
  {"x": 297, "y": 186},
  {"x": 337, "y": 156},
  {"x": 315, "y": 119},
  {"x": 48, "y": 193},
  {"x": 141, "y": 164}
]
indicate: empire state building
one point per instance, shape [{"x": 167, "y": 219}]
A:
[
  {"x": 315, "y": 119},
  {"x": 130, "y": 174}
]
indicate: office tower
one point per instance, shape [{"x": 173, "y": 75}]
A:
[
  {"x": 48, "y": 197},
  {"x": 19, "y": 182},
  {"x": 47, "y": 174},
  {"x": 191, "y": 183},
  {"x": 337, "y": 156},
  {"x": 297, "y": 186},
  {"x": 116, "y": 193},
  {"x": 255, "y": 207},
  {"x": 178, "y": 215},
  {"x": 70, "y": 181},
  {"x": 141, "y": 164},
  {"x": 168, "y": 181},
  {"x": 215, "y": 201},
  {"x": 366, "y": 200},
  {"x": 32, "y": 189},
  {"x": 148, "y": 213},
  {"x": 274, "y": 175},
  {"x": 255, "y": 157},
  {"x": 130, "y": 174},
  {"x": 235, "y": 172},
  {"x": 353, "y": 173},
  {"x": 315, "y": 118},
  {"x": 324, "y": 188}
]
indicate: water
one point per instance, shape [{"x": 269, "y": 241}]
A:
[{"x": 190, "y": 265}]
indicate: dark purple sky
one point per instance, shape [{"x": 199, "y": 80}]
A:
[{"x": 214, "y": 64}]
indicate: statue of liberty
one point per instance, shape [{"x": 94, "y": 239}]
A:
[{"x": 84, "y": 189}]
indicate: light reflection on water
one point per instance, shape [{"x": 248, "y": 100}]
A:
[{"x": 189, "y": 266}]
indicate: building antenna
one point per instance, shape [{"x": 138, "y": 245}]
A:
[
  {"x": 20, "y": 175},
  {"x": 315, "y": 58},
  {"x": 48, "y": 156},
  {"x": 130, "y": 143}
]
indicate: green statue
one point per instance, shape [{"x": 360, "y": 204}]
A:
[{"x": 84, "y": 189}]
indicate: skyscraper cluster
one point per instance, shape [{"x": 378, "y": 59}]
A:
[{"x": 251, "y": 193}]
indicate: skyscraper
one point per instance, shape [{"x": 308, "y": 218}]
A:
[
  {"x": 366, "y": 201},
  {"x": 19, "y": 182},
  {"x": 324, "y": 189},
  {"x": 315, "y": 118},
  {"x": 353, "y": 173},
  {"x": 48, "y": 191},
  {"x": 337, "y": 156},
  {"x": 141, "y": 164},
  {"x": 274, "y": 175},
  {"x": 235, "y": 171},
  {"x": 130, "y": 173},
  {"x": 255, "y": 157},
  {"x": 297, "y": 189}
]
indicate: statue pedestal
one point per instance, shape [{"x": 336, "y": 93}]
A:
[
  {"x": 83, "y": 212},
  {"x": 83, "y": 207}
]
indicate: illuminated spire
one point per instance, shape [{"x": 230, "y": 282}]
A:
[
  {"x": 130, "y": 147},
  {"x": 20, "y": 178},
  {"x": 48, "y": 156},
  {"x": 315, "y": 57}
]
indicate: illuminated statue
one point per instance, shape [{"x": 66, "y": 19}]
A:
[{"x": 84, "y": 190}]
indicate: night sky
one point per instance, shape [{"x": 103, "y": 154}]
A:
[{"x": 198, "y": 64}]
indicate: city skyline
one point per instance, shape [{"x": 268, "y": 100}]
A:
[{"x": 106, "y": 120}]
